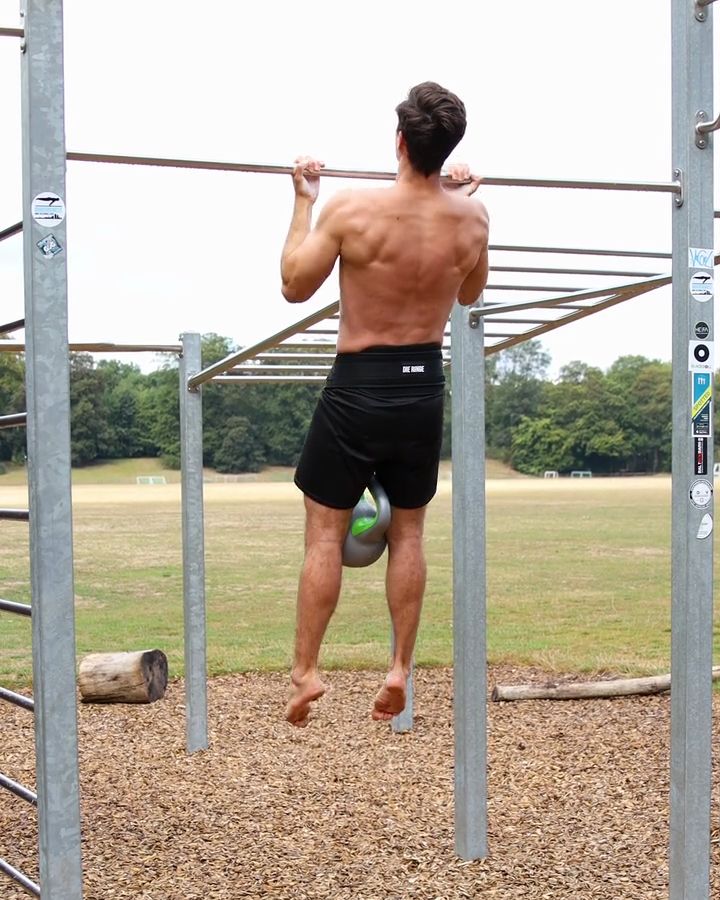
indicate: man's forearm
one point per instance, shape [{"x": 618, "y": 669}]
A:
[{"x": 300, "y": 225}]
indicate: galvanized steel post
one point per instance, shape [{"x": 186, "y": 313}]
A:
[
  {"x": 469, "y": 602},
  {"x": 692, "y": 463},
  {"x": 48, "y": 438},
  {"x": 191, "y": 455}
]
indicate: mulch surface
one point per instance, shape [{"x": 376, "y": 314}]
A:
[{"x": 347, "y": 809}]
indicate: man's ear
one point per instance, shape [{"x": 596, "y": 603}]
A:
[{"x": 400, "y": 146}]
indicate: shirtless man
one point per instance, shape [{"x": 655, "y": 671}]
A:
[{"x": 406, "y": 254}]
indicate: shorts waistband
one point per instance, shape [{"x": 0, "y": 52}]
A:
[{"x": 410, "y": 364}]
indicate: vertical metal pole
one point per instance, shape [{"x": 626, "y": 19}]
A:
[
  {"x": 191, "y": 456},
  {"x": 692, "y": 463},
  {"x": 469, "y": 586},
  {"x": 48, "y": 440}
]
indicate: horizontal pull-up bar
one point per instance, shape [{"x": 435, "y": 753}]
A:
[
  {"x": 673, "y": 187},
  {"x": 15, "y": 347},
  {"x": 11, "y": 32},
  {"x": 14, "y": 420},
  {"x": 22, "y": 609},
  {"x": 21, "y": 515}
]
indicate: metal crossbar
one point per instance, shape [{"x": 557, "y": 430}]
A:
[
  {"x": 17, "y": 699},
  {"x": 18, "y": 789},
  {"x": 20, "y": 877},
  {"x": 11, "y": 230},
  {"x": 13, "y": 420},
  {"x": 17, "y": 325},
  {"x": 99, "y": 347},
  {"x": 22, "y": 515},
  {"x": 22, "y": 609},
  {"x": 672, "y": 187}
]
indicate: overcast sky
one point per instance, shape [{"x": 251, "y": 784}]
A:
[{"x": 561, "y": 89}]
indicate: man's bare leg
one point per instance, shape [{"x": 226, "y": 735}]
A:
[
  {"x": 318, "y": 594},
  {"x": 405, "y": 585}
]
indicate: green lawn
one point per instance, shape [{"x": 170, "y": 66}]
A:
[{"x": 578, "y": 580}]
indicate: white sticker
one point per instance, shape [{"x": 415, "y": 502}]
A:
[
  {"x": 702, "y": 287},
  {"x": 699, "y": 258},
  {"x": 706, "y": 527},
  {"x": 700, "y": 494},
  {"x": 48, "y": 209},
  {"x": 700, "y": 356}
]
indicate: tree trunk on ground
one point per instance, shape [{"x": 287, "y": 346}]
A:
[
  {"x": 620, "y": 687},
  {"x": 134, "y": 677}
]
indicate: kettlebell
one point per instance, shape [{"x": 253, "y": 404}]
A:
[{"x": 365, "y": 539}]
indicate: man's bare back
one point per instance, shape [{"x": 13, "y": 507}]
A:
[{"x": 406, "y": 253}]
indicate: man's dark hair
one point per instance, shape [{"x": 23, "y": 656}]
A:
[{"x": 432, "y": 121}]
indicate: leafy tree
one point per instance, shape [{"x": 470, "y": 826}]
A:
[
  {"x": 515, "y": 388},
  {"x": 241, "y": 449},
  {"x": 90, "y": 431}
]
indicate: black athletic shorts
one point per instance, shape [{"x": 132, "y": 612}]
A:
[{"x": 381, "y": 412}]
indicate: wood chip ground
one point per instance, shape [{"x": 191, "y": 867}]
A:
[{"x": 346, "y": 809}]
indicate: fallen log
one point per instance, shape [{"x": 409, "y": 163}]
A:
[
  {"x": 128, "y": 677},
  {"x": 618, "y": 687}
]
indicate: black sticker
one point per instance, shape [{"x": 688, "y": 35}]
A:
[
  {"x": 701, "y": 455},
  {"x": 702, "y": 330},
  {"x": 702, "y": 353}
]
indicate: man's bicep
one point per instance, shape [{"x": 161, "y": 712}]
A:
[{"x": 475, "y": 281}]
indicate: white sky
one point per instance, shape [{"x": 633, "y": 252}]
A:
[{"x": 560, "y": 89}]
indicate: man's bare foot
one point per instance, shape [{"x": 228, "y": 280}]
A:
[
  {"x": 304, "y": 691},
  {"x": 390, "y": 699}
]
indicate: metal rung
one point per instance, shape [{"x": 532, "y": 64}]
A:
[
  {"x": 11, "y": 230},
  {"x": 11, "y": 32},
  {"x": 20, "y": 877},
  {"x": 14, "y": 420},
  {"x": 17, "y": 325},
  {"x": 19, "y": 514},
  {"x": 18, "y": 789},
  {"x": 22, "y": 609},
  {"x": 17, "y": 699}
]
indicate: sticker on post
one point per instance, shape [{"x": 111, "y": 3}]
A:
[
  {"x": 701, "y": 455},
  {"x": 700, "y": 493},
  {"x": 700, "y": 356},
  {"x": 706, "y": 527},
  {"x": 701, "y": 403},
  {"x": 702, "y": 286},
  {"x": 49, "y": 246},
  {"x": 700, "y": 258},
  {"x": 48, "y": 209},
  {"x": 702, "y": 331}
]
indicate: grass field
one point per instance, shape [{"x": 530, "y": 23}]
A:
[{"x": 578, "y": 577}]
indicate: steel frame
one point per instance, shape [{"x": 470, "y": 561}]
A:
[{"x": 48, "y": 416}]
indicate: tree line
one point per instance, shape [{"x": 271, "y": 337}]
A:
[{"x": 611, "y": 421}]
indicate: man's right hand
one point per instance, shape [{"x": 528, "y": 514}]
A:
[
  {"x": 306, "y": 177},
  {"x": 461, "y": 181}
]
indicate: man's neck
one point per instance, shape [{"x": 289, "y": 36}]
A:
[{"x": 409, "y": 177}]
